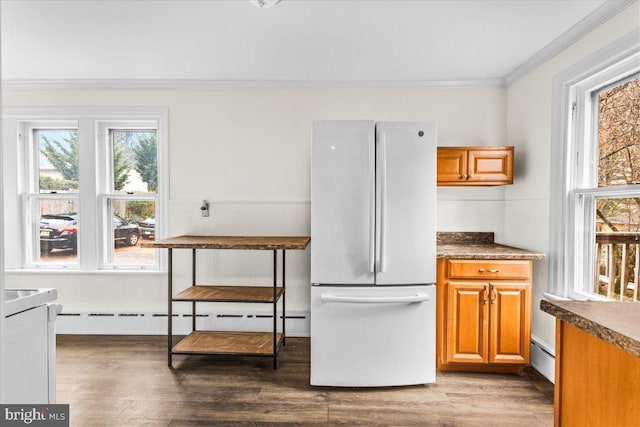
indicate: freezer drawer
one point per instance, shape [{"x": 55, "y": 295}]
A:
[{"x": 372, "y": 336}]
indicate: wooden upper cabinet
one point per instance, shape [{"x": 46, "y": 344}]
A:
[
  {"x": 475, "y": 166},
  {"x": 452, "y": 165}
]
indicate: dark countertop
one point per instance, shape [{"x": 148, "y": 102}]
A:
[
  {"x": 468, "y": 245},
  {"x": 483, "y": 251},
  {"x": 615, "y": 322}
]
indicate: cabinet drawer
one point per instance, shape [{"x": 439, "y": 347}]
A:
[{"x": 489, "y": 269}]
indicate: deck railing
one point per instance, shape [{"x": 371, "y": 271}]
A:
[{"x": 618, "y": 265}]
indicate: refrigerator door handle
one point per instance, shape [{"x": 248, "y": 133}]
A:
[
  {"x": 376, "y": 300},
  {"x": 383, "y": 199},
  {"x": 372, "y": 206}
]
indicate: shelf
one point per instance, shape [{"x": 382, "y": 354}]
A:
[
  {"x": 227, "y": 342},
  {"x": 223, "y": 342},
  {"x": 229, "y": 294}
]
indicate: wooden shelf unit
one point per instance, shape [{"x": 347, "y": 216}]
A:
[{"x": 223, "y": 342}]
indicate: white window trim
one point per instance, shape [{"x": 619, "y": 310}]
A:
[
  {"x": 566, "y": 157},
  {"x": 87, "y": 119},
  {"x": 105, "y": 192}
]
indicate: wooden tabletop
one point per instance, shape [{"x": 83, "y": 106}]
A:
[{"x": 231, "y": 242}]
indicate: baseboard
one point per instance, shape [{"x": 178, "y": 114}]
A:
[
  {"x": 297, "y": 323},
  {"x": 543, "y": 359}
]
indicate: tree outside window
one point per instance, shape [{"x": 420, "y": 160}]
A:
[{"x": 618, "y": 218}]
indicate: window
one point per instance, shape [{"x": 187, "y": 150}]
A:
[
  {"x": 51, "y": 205},
  {"x": 595, "y": 214},
  {"x": 87, "y": 190},
  {"x": 130, "y": 183}
]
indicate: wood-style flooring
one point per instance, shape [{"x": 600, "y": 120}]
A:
[{"x": 120, "y": 381}]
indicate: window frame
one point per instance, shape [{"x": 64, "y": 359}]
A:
[
  {"x": 573, "y": 162},
  {"x": 32, "y": 195},
  {"x": 16, "y": 166},
  {"x": 106, "y": 191}
]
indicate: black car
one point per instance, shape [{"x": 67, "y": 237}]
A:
[
  {"x": 125, "y": 233},
  {"x": 60, "y": 231},
  {"x": 148, "y": 228}
]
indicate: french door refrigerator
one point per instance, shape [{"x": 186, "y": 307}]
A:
[{"x": 373, "y": 237}]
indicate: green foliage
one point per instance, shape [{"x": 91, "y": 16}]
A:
[
  {"x": 138, "y": 210},
  {"x": 146, "y": 164},
  {"x": 63, "y": 156},
  {"x": 54, "y": 184},
  {"x": 121, "y": 167}
]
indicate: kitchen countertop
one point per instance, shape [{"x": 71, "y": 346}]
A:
[
  {"x": 462, "y": 245},
  {"x": 615, "y": 322}
]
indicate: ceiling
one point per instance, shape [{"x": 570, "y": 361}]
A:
[{"x": 295, "y": 40}]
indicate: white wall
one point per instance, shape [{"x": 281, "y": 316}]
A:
[
  {"x": 529, "y": 129},
  {"x": 248, "y": 152}
]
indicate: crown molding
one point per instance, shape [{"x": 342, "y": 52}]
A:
[
  {"x": 147, "y": 84},
  {"x": 586, "y": 25}
]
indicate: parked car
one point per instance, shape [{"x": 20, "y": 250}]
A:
[
  {"x": 148, "y": 228},
  {"x": 60, "y": 231},
  {"x": 125, "y": 233}
]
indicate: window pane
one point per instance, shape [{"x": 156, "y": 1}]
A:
[
  {"x": 134, "y": 165},
  {"x": 619, "y": 135},
  {"x": 131, "y": 220},
  {"x": 617, "y": 254},
  {"x": 57, "y": 160},
  {"x": 56, "y": 231}
]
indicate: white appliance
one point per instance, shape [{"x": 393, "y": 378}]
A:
[
  {"x": 30, "y": 345},
  {"x": 373, "y": 242}
]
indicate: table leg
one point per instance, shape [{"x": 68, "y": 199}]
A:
[
  {"x": 193, "y": 283},
  {"x": 275, "y": 310},
  {"x": 170, "y": 309},
  {"x": 284, "y": 300}
]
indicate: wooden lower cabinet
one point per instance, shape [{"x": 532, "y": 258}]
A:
[
  {"x": 483, "y": 325},
  {"x": 597, "y": 383}
]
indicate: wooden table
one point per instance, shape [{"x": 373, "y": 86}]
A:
[{"x": 217, "y": 342}]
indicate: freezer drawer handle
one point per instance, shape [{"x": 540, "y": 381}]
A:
[{"x": 375, "y": 300}]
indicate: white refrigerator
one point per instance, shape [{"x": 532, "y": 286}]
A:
[{"x": 373, "y": 242}]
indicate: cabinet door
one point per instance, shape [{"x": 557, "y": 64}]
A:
[
  {"x": 467, "y": 322},
  {"x": 494, "y": 166},
  {"x": 510, "y": 328},
  {"x": 452, "y": 165}
]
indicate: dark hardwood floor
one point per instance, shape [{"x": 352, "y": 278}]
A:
[{"x": 122, "y": 381}]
